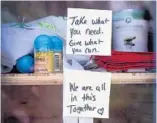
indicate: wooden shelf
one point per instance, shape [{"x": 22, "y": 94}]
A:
[{"x": 57, "y": 78}]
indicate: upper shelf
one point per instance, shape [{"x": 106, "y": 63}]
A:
[{"x": 57, "y": 78}]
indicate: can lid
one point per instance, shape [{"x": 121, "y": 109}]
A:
[
  {"x": 43, "y": 42},
  {"x": 134, "y": 13},
  {"x": 58, "y": 43}
]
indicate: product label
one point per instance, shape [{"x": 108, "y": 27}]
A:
[
  {"x": 44, "y": 62},
  {"x": 58, "y": 62},
  {"x": 130, "y": 35}
]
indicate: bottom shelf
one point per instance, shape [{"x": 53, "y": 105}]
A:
[
  {"x": 57, "y": 78},
  {"x": 44, "y": 104}
]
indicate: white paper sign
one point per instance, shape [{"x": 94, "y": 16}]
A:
[
  {"x": 86, "y": 94},
  {"x": 89, "y": 32}
]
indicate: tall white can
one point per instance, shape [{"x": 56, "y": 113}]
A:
[{"x": 130, "y": 31}]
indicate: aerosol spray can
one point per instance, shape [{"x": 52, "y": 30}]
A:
[
  {"x": 43, "y": 54},
  {"x": 58, "y": 53}
]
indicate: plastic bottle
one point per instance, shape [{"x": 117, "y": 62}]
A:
[
  {"x": 43, "y": 54},
  {"x": 58, "y": 53}
]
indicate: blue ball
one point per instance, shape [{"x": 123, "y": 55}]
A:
[{"x": 25, "y": 64}]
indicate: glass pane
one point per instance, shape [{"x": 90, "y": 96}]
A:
[{"x": 132, "y": 103}]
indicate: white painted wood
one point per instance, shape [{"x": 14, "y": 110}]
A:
[
  {"x": 77, "y": 120},
  {"x": 86, "y": 120},
  {"x": 70, "y": 120}
]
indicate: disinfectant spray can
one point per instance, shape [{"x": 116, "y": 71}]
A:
[
  {"x": 58, "y": 53},
  {"x": 43, "y": 53}
]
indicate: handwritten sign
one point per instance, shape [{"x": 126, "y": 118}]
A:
[
  {"x": 89, "y": 32},
  {"x": 86, "y": 94}
]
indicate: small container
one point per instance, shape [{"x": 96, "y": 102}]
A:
[
  {"x": 58, "y": 53},
  {"x": 43, "y": 54},
  {"x": 130, "y": 30}
]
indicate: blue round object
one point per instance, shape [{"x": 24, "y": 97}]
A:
[
  {"x": 58, "y": 43},
  {"x": 43, "y": 43},
  {"x": 25, "y": 64}
]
